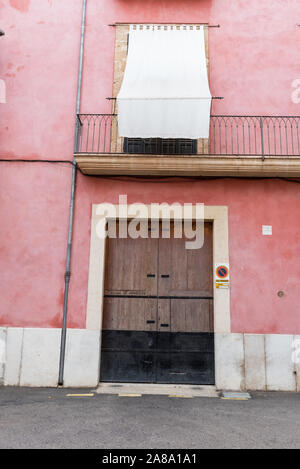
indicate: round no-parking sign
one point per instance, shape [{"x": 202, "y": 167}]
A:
[{"x": 222, "y": 275}]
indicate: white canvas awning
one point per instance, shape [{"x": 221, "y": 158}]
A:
[{"x": 165, "y": 91}]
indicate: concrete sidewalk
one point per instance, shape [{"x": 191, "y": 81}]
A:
[{"x": 47, "y": 418}]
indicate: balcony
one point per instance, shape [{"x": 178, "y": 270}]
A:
[{"x": 239, "y": 146}]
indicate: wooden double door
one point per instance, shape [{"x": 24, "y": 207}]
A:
[{"x": 158, "y": 311}]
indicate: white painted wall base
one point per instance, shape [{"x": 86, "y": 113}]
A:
[
  {"x": 229, "y": 361},
  {"x": 82, "y": 358},
  {"x": 256, "y": 362},
  {"x": 30, "y": 357},
  {"x": 2, "y": 353}
]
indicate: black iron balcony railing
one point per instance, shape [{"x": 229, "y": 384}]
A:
[{"x": 229, "y": 136}]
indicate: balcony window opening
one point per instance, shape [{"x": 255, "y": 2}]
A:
[{"x": 159, "y": 146}]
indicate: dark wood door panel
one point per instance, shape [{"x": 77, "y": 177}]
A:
[
  {"x": 185, "y": 272},
  {"x": 131, "y": 267},
  {"x": 185, "y": 315},
  {"x": 128, "y": 356},
  {"x": 124, "y": 341},
  {"x": 130, "y": 314},
  {"x": 185, "y": 358},
  {"x": 127, "y": 367},
  {"x": 202, "y": 342},
  {"x": 199, "y": 264},
  {"x": 164, "y": 315},
  {"x": 191, "y": 315},
  {"x": 185, "y": 368}
]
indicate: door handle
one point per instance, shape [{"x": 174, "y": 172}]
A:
[
  {"x": 150, "y": 275},
  {"x": 150, "y": 321},
  {"x": 164, "y": 325},
  {"x": 165, "y": 276}
]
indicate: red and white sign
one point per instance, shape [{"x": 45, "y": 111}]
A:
[{"x": 222, "y": 276}]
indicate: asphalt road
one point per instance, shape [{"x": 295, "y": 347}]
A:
[{"x": 47, "y": 418}]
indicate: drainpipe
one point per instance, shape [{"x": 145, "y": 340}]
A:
[{"x": 72, "y": 200}]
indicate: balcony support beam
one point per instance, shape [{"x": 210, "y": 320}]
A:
[{"x": 185, "y": 165}]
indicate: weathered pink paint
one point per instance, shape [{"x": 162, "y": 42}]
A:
[
  {"x": 21, "y": 5},
  {"x": 254, "y": 59}
]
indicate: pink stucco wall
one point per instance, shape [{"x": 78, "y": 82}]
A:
[{"x": 254, "y": 60}]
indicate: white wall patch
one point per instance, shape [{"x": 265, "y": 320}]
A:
[{"x": 267, "y": 230}]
